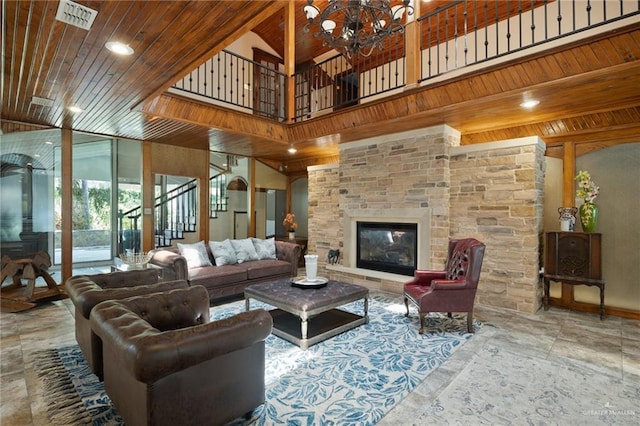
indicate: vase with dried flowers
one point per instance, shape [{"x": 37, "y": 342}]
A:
[
  {"x": 588, "y": 191},
  {"x": 290, "y": 224}
]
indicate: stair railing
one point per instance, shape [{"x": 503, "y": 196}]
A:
[
  {"x": 175, "y": 212},
  {"x": 218, "y": 194}
]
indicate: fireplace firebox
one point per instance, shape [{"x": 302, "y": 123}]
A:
[{"x": 387, "y": 247}]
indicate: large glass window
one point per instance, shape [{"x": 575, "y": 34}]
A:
[
  {"x": 129, "y": 197},
  {"x": 99, "y": 198},
  {"x": 106, "y": 180},
  {"x": 92, "y": 199},
  {"x": 27, "y": 221}
]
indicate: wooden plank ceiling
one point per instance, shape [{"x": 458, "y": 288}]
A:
[{"x": 589, "y": 91}]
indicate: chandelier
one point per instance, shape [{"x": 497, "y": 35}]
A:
[{"x": 356, "y": 27}]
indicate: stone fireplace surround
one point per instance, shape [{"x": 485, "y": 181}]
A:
[
  {"x": 491, "y": 191},
  {"x": 350, "y": 217}
]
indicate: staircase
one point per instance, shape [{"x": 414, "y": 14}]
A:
[{"x": 175, "y": 214}]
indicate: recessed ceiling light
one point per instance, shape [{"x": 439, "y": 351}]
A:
[
  {"x": 529, "y": 104},
  {"x": 292, "y": 150},
  {"x": 119, "y": 48},
  {"x": 75, "y": 109}
]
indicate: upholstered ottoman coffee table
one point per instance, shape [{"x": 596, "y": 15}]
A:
[{"x": 306, "y": 316}]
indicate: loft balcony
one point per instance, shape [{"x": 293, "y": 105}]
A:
[{"x": 458, "y": 38}]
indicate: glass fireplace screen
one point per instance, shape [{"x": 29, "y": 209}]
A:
[{"x": 387, "y": 247}]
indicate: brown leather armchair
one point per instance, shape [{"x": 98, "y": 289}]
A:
[
  {"x": 166, "y": 364},
  {"x": 86, "y": 291},
  {"x": 450, "y": 290}
]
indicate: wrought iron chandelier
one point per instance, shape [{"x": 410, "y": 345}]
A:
[{"x": 356, "y": 27}]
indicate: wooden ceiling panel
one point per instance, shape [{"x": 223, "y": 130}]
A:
[
  {"x": 70, "y": 65},
  {"x": 308, "y": 47},
  {"x": 621, "y": 125},
  {"x": 589, "y": 90}
]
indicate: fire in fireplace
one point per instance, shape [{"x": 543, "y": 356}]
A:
[{"x": 387, "y": 247}]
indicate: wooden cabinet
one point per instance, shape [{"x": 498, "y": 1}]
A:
[{"x": 573, "y": 258}]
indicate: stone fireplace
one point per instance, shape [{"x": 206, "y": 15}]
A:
[
  {"x": 420, "y": 218},
  {"x": 491, "y": 191},
  {"x": 387, "y": 247}
]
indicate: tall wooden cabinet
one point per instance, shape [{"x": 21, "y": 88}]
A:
[{"x": 573, "y": 258}]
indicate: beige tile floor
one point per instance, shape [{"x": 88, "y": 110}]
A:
[
  {"x": 606, "y": 349},
  {"x": 610, "y": 348}
]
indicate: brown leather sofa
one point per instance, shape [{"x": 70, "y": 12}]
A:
[
  {"x": 86, "y": 291},
  {"x": 229, "y": 280},
  {"x": 166, "y": 364}
]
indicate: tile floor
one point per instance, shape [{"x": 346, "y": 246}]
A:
[{"x": 608, "y": 349}]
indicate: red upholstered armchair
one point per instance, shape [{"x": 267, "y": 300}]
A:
[{"x": 451, "y": 290}]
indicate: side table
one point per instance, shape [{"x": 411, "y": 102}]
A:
[
  {"x": 573, "y": 258},
  {"x": 119, "y": 265}
]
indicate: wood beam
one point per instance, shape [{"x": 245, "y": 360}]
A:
[
  {"x": 67, "y": 202},
  {"x": 180, "y": 108},
  {"x": 568, "y": 173},
  {"x": 252, "y": 197},
  {"x": 568, "y": 199},
  {"x": 412, "y": 48},
  {"x": 203, "y": 199},
  {"x": 148, "y": 197},
  {"x": 290, "y": 58}
]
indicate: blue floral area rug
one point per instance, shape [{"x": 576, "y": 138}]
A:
[{"x": 354, "y": 378}]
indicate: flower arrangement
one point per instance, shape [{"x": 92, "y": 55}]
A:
[
  {"x": 587, "y": 189},
  {"x": 289, "y": 222}
]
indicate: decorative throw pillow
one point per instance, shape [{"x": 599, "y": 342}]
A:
[
  {"x": 195, "y": 254},
  {"x": 244, "y": 250},
  {"x": 266, "y": 249},
  {"x": 223, "y": 252}
]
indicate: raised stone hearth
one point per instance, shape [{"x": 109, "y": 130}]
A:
[{"x": 492, "y": 192}]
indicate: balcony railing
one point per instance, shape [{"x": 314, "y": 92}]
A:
[
  {"x": 452, "y": 37},
  {"x": 468, "y": 32},
  {"x": 238, "y": 83},
  {"x": 338, "y": 83}
]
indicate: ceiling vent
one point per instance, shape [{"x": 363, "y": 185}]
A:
[
  {"x": 36, "y": 100},
  {"x": 75, "y": 14}
]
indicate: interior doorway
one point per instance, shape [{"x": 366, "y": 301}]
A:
[
  {"x": 346, "y": 90},
  {"x": 240, "y": 224}
]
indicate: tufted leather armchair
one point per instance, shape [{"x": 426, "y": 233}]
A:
[
  {"x": 165, "y": 363},
  {"x": 86, "y": 291},
  {"x": 450, "y": 290}
]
